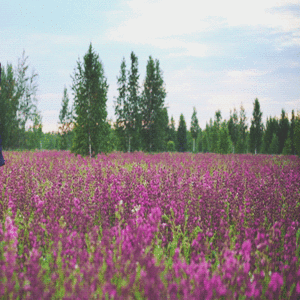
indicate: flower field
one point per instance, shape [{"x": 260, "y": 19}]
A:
[{"x": 142, "y": 226}]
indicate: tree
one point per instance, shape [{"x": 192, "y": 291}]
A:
[
  {"x": 292, "y": 129},
  {"x": 194, "y": 127},
  {"x": 172, "y": 131},
  {"x": 152, "y": 102},
  {"x": 287, "y": 149},
  {"x": 121, "y": 108},
  {"x": 233, "y": 128},
  {"x": 182, "y": 135},
  {"x": 297, "y": 134},
  {"x": 241, "y": 144},
  {"x": 8, "y": 116},
  {"x": 224, "y": 141},
  {"x": 65, "y": 118},
  {"x": 256, "y": 129},
  {"x": 26, "y": 88},
  {"x": 90, "y": 97},
  {"x": 34, "y": 135},
  {"x": 134, "y": 103},
  {"x": 274, "y": 147},
  {"x": 161, "y": 130},
  {"x": 272, "y": 127},
  {"x": 18, "y": 96},
  {"x": 214, "y": 132},
  {"x": 283, "y": 130}
]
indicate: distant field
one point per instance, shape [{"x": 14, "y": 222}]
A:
[{"x": 141, "y": 226}]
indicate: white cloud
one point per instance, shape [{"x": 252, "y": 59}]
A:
[{"x": 152, "y": 21}]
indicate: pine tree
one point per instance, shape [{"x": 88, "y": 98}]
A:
[
  {"x": 194, "y": 127},
  {"x": 283, "y": 130},
  {"x": 65, "y": 118},
  {"x": 297, "y": 134},
  {"x": 224, "y": 141},
  {"x": 287, "y": 149},
  {"x": 121, "y": 110},
  {"x": 241, "y": 144},
  {"x": 90, "y": 97},
  {"x": 182, "y": 135},
  {"x": 272, "y": 127},
  {"x": 274, "y": 147},
  {"x": 172, "y": 131},
  {"x": 134, "y": 103},
  {"x": 152, "y": 102},
  {"x": 214, "y": 132},
  {"x": 256, "y": 129},
  {"x": 233, "y": 128},
  {"x": 292, "y": 129}
]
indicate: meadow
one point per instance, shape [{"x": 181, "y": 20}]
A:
[{"x": 149, "y": 226}]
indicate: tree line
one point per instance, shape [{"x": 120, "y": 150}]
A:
[{"x": 142, "y": 121}]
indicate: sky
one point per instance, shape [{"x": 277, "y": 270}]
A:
[{"x": 214, "y": 55}]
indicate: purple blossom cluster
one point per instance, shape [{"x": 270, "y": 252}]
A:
[{"x": 142, "y": 226}]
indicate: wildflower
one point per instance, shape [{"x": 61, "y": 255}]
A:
[{"x": 276, "y": 281}]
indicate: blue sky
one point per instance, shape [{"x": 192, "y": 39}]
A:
[{"x": 213, "y": 55}]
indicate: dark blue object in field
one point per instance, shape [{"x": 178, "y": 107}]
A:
[{"x": 2, "y": 161}]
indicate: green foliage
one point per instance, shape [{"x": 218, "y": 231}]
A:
[
  {"x": 287, "y": 149},
  {"x": 34, "y": 135},
  {"x": 297, "y": 134},
  {"x": 182, "y": 135},
  {"x": 256, "y": 129},
  {"x": 172, "y": 131},
  {"x": 17, "y": 95},
  {"x": 152, "y": 102},
  {"x": 170, "y": 146},
  {"x": 241, "y": 144},
  {"x": 224, "y": 142},
  {"x": 194, "y": 127},
  {"x": 291, "y": 132},
  {"x": 233, "y": 127},
  {"x": 283, "y": 130},
  {"x": 274, "y": 147},
  {"x": 272, "y": 128},
  {"x": 65, "y": 118},
  {"x": 128, "y": 107},
  {"x": 90, "y": 97}
]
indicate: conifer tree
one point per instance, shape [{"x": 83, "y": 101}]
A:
[
  {"x": 256, "y": 129},
  {"x": 283, "y": 130},
  {"x": 65, "y": 118},
  {"x": 241, "y": 144},
  {"x": 121, "y": 109},
  {"x": 271, "y": 129},
  {"x": 194, "y": 127},
  {"x": 233, "y": 128},
  {"x": 182, "y": 135},
  {"x": 134, "y": 104},
  {"x": 172, "y": 131},
  {"x": 214, "y": 132},
  {"x": 274, "y": 147},
  {"x": 90, "y": 97},
  {"x": 224, "y": 141},
  {"x": 297, "y": 134},
  {"x": 152, "y": 102},
  {"x": 292, "y": 129}
]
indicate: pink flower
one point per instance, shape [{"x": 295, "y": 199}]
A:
[{"x": 276, "y": 281}]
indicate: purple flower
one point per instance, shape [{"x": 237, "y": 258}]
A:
[{"x": 276, "y": 282}]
